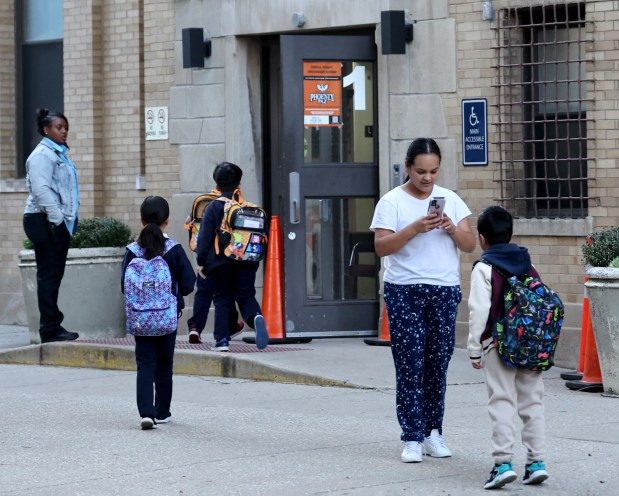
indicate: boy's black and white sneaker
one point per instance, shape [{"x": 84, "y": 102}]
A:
[
  {"x": 262, "y": 336},
  {"x": 221, "y": 345},
  {"x": 535, "y": 473},
  {"x": 500, "y": 475},
  {"x": 147, "y": 423},
  {"x": 238, "y": 329},
  {"x": 166, "y": 420},
  {"x": 194, "y": 336}
]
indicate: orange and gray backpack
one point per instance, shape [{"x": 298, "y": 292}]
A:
[
  {"x": 192, "y": 223},
  {"x": 242, "y": 233}
]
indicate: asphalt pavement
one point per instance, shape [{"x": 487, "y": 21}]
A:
[{"x": 298, "y": 419}]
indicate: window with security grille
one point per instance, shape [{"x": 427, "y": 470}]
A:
[{"x": 542, "y": 110}]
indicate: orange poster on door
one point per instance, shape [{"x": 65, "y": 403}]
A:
[{"x": 322, "y": 93}]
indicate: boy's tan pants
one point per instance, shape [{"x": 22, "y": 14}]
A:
[{"x": 510, "y": 392}]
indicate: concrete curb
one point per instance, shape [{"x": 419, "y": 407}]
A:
[
  {"x": 186, "y": 362},
  {"x": 25, "y": 355}
]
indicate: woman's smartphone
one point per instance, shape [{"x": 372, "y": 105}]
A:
[{"x": 437, "y": 205}]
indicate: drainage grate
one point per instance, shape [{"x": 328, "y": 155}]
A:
[{"x": 183, "y": 345}]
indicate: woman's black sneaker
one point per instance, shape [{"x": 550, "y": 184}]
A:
[{"x": 59, "y": 336}]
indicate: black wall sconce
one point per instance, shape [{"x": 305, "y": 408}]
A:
[
  {"x": 395, "y": 32},
  {"x": 195, "y": 47}
]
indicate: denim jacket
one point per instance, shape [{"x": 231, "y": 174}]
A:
[{"x": 51, "y": 183}]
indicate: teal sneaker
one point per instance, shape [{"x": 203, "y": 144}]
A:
[
  {"x": 500, "y": 475},
  {"x": 535, "y": 473}
]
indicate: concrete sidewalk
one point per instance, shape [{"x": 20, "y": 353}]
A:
[
  {"x": 73, "y": 430},
  {"x": 13, "y": 336},
  {"x": 327, "y": 362}
]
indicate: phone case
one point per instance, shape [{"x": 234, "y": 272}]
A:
[{"x": 437, "y": 205}]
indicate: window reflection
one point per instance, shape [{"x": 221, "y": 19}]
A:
[{"x": 340, "y": 259}]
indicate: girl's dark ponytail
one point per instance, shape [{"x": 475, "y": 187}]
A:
[
  {"x": 152, "y": 240},
  {"x": 154, "y": 212}
]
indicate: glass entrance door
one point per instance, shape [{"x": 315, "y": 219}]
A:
[{"x": 328, "y": 176}]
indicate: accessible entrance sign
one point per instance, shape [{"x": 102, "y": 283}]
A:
[{"x": 475, "y": 132}]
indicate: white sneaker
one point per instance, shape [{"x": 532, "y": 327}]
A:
[
  {"x": 434, "y": 445},
  {"x": 166, "y": 420},
  {"x": 411, "y": 452},
  {"x": 147, "y": 423}
]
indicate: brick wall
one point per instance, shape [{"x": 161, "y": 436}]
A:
[
  {"x": 557, "y": 257},
  {"x": 7, "y": 91},
  {"x": 118, "y": 58},
  {"x": 161, "y": 157},
  {"x": 11, "y": 199},
  {"x": 604, "y": 68}
]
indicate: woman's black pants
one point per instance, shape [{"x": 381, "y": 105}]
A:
[{"x": 51, "y": 246}]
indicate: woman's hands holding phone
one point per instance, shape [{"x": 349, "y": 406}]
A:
[
  {"x": 427, "y": 223},
  {"x": 434, "y": 221},
  {"x": 447, "y": 224}
]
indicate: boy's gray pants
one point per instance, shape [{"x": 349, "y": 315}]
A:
[{"x": 510, "y": 392}]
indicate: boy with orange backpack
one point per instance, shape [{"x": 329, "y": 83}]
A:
[
  {"x": 231, "y": 244},
  {"x": 204, "y": 286}
]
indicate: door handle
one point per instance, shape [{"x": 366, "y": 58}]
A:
[{"x": 294, "y": 185}]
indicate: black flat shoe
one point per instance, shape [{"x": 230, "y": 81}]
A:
[{"x": 60, "y": 336}]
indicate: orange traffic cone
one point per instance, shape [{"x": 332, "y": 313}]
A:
[
  {"x": 576, "y": 375},
  {"x": 384, "y": 339},
  {"x": 591, "y": 381},
  {"x": 273, "y": 294}
]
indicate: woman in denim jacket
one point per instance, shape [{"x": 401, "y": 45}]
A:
[{"x": 50, "y": 217}]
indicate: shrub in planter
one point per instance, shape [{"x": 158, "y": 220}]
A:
[
  {"x": 90, "y": 295},
  {"x": 99, "y": 232},
  {"x": 601, "y": 248},
  {"x": 601, "y": 257}
]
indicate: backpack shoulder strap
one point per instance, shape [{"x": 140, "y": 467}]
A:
[
  {"x": 236, "y": 197},
  {"x": 169, "y": 244},
  {"x": 499, "y": 271},
  {"x": 481, "y": 260},
  {"x": 136, "y": 249}
]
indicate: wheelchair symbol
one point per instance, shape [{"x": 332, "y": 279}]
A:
[{"x": 473, "y": 120}]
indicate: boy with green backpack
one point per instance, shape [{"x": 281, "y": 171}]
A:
[{"x": 514, "y": 384}]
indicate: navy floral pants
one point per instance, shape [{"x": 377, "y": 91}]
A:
[{"x": 422, "y": 321}]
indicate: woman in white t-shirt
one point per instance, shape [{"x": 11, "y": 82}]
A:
[{"x": 422, "y": 293}]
